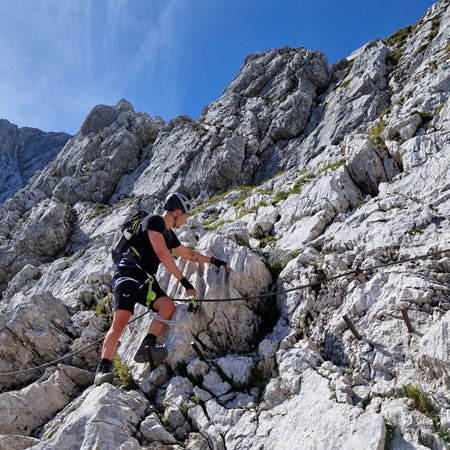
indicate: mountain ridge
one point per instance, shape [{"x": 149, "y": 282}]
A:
[
  {"x": 24, "y": 151},
  {"x": 300, "y": 172}
]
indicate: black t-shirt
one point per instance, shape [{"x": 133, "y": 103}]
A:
[{"x": 149, "y": 261}]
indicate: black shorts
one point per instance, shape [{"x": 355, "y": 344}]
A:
[{"x": 128, "y": 292}]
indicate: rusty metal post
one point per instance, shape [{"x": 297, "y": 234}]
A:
[
  {"x": 406, "y": 319},
  {"x": 198, "y": 351},
  {"x": 150, "y": 358},
  {"x": 352, "y": 327}
]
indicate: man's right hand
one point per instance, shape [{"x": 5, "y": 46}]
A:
[{"x": 219, "y": 263}]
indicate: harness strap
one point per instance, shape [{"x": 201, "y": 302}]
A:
[
  {"x": 151, "y": 295},
  {"x": 122, "y": 279}
]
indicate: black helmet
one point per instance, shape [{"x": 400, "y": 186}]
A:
[{"x": 177, "y": 201}]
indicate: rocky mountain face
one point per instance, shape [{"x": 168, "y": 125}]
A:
[
  {"x": 302, "y": 172},
  {"x": 24, "y": 151}
]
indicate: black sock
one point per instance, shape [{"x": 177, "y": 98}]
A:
[
  {"x": 150, "y": 338},
  {"x": 105, "y": 361}
]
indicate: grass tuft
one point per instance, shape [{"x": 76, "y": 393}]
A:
[
  {"x": 122, "y": 373},
  {"x": 421, "y": 402}
]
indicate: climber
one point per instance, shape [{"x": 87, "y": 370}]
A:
[{"x": 134, "y": 281}]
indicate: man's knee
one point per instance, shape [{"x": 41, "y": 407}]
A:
[
  {"x": 166, "y": 305},
  {"x": 171, "y": 307}
]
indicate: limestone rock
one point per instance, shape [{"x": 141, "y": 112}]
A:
[
  {"x": 418, "y": 150},
  {"x": 103, "y": 116},
  {"x": 32, "y": 332},
  {"x": 270, "y": 99},
  {"x": 323, "y": 182},
  {"x": 24, "y": 151},
  {"x": 179, "y": 392},
  {"x": 237, "y": 231},
  {"x": 433, "y": 349},
  {"x": 197, "y": 442},
  {"x": 273, "y": 394},
  {"x": 44, "y": 232},
  {"x": 104, "y": 415},
  {"x": 407, "y": 426},
  {"x": 153, "y": 431},
  {"x": 357, "y": 99},
  {"x": 368, "y": 165},
  {"x": 22, "y": 412},
  {"x": 291, "y": 423},
  {"x": 214, "y": 384},
  {"x": 264, "y": 220},
  {"x": 16, "y": 442},
  {"x": 215, "y": 422},
  {"x": 238, "y": 368}
]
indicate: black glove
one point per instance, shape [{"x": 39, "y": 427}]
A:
[
  {"x": 184, "y": 281},
  {"x": 218, "y": 262}
]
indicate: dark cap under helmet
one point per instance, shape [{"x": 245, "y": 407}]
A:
[{"x": 177, "y": 201}]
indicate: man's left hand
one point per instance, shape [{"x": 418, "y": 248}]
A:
[{"x": 219, "y": 263}]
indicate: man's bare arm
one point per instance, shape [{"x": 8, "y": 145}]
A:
[{"x": 191, "y": 255}]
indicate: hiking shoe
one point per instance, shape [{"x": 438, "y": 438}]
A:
[
  {"x": 103, "y": 374},
  {"x": 158, "y": 353}
]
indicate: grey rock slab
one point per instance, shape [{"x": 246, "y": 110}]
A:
[
  {"x": 301, "y": 421},
  {"x": 418, "y": 150},
  {"x": 32, "y": 333},
  {"x": 215, "y": 422},
  {"x": 16, "y": 442},
  {"x": 23, "y": 152},
  {"x": 153, "y": 431},
  {"x": 179, "y": 392},
  {"x": 368, "y": 165},
  {"x": 105, "y": 416},
  {"x": 197, "y": 368},
  {"x": 238, "y": 368},
  {"x": 214, "y": 384},
  {"x": 434, "y": 351},
  {"x": 412, "y": 429},
  {"x": 43, "y": 233},
  {"x": 24, "y": 411}
]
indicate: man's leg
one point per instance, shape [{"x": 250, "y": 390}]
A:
[
  {"x": 104, "y": 369},
  {"x": 165, "y": 307},
  {"x": 120, "y": 319}
]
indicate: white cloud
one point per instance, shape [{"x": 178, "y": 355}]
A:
[
  {"x": 47, "y": 58},
  {"x": 157, "y": 58},
  {"x": 67, "y": 56}
]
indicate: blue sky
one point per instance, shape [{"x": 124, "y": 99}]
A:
[{"x": 60, "y": 58}]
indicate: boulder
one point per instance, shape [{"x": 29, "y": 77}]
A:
[
  {"x": 24, "y": 411},
  {"x": 368, "y": 165},
  {"x": 434, "y": 351},
  {"x": 237, "y": 368},
  {"x": 152, "y": 430},
  {"x": 33, "y": 332},
  {"x": 301, "y": 421},
  {"x": 103, "y": 416}
]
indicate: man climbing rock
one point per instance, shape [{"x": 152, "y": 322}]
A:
[{"x": 134, "y": 281}]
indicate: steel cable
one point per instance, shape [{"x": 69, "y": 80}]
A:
[{"x": 356, "y": 271}]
